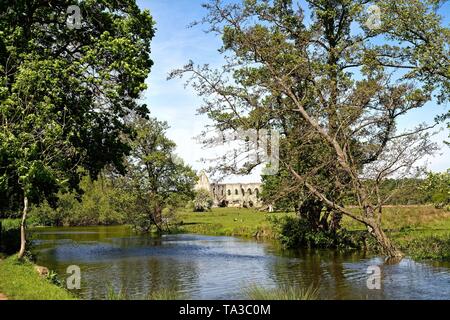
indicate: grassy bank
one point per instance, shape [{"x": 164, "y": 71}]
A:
[
  {"x": 422, "y": 232},
  {"x": 20, "y": 281},
  {"x": 238, "y": 222}
]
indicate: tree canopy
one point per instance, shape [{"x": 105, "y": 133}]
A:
[
  {"x": 65, "y": 90},
  {"x": 334, "y": 86}
]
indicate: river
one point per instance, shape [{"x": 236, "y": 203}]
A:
[{"x": 207, "y": 267}]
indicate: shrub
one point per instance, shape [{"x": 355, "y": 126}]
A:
[
  {"x": 295, "y": 232},
  {"x": 9, "y": 236},
  {"x": 99, "y": 205},
  {"x": 203, "y": 201},
  {"x": 429, "y": 248}
]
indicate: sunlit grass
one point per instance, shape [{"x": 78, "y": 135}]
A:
[
  {"x": 397, "y": 218},
  {"x": 228, "y": 222},
  {"x": 20, "y": 281}
]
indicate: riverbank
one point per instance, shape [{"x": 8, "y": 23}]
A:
[
  {"x": 235, "y": 222},
  {"x": 422, "y": 232},
  {"x": 20, "y": 281}
]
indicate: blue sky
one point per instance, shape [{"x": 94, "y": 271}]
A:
[{"x": 175, "y": 44}]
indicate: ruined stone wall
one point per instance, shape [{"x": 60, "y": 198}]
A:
[
  {"x": 237, "y": 194},
  {"x": 231, "y": 194}
]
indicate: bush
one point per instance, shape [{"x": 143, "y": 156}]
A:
[
  {"x": 100, "y": 205},
  {"x": 203, "y": 201},
  {"x": 437, "y": 185},
  {"x": 9, "y": 236},
  {"x": 295, "y": 233},
  {"x": 429, "y": 248}
]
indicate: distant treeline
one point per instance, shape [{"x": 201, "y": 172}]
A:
[
  {"x": 99, "y": 204},
  {"x": 104, "y": 202},
  {"x": 401, "y": 192}
]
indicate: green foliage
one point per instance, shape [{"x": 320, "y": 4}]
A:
[
  {"x": 295, "y": 232},
  {"x": 202, "y": 201},
  {"x": 157, "y": 181},
  {"x": 431, "y": 247},
  {"x": 437, "y": 186},
  {"x": 64, "y": 93},
  {"x": 286, "y": 292},
  {"x": 405, "y": 191},
  {"x": 9, "y": 235},
  {"x": 97, "y": 206},
  {"x": 325, "y": 84},
  {"x": 272, "y": 192},
  {"x": 53, "y": 278}
]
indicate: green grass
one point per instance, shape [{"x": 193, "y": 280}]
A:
[
  {"x": 228, "y": 222},
  {"x": 255, "y": 292},
  {"x": 398, "y": 218},
  {"x": 19, "y": 281},
  {"x": 421, "y": 232},
  {"x": 166, "y": 294}
]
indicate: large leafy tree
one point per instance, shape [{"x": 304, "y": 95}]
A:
[
  {"x": 64, "y": 92},
  {"x": 156, "y": 178},
  {"x": 337, "y": 83}
]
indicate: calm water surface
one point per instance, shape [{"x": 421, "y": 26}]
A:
[{"x": 204, "y": 267}]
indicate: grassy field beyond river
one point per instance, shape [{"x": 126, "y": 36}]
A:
[{"x": 229, "y": 222}]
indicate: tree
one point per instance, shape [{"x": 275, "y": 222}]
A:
[
  {"x": 64, "y": 92},
  {"x": 338, "y": 80},
  {"x": 437, "y": 185},
  {"x": 156, "y": 178}
]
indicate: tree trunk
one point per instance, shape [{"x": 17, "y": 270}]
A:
[
  {"x": 335, "y": 223},
  {"x": 157, "y": 218},
  {"x": 388, "y": 247},
  {"x": 23, "y": 237}
]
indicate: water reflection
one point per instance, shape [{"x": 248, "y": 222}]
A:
[{"x": 203, "y": 267}]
